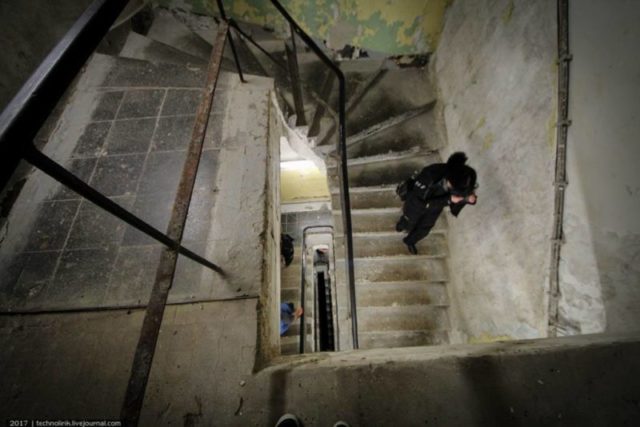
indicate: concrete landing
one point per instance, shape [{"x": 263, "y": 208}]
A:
[{"x": 125, "y": 131}]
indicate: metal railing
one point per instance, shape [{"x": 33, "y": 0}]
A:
[
  {"x": 341, "y": 146},
  {"x": 26, "y": 114},
  {"x": 29, "y": 109},
  {"x": 343, "y": 174},
  {"x": 303, "y": 273}
]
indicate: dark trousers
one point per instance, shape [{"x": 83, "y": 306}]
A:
[{"x": 418, "y": 219}]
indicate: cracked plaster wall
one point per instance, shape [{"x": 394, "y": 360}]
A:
[
  {"x": 496, "y": 76},
  {"x": 600, "y": 266}
]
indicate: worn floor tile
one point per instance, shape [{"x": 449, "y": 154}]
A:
[
  {"x": 154, "y": 209},
  {"x": 130, "y": 136},
  {"x": 133, "y": 275},
  {"x": 83, "y": 169},
  {"x": 181, "y": 101},
  {"x": 82, "y": 277},
  {"x": 173, "y": 133},
  {"x": 92, "y": 139},
  {"x": 118, "y": 175},
  {"x": 162, "y": 172},
  {"x": 36, "y": 275},
  {"x": 52, "y": 225},
  {"x": 94, "y": 227},
  {"x": 107, "y": 105},
  {"x": 141, "y": 103}
]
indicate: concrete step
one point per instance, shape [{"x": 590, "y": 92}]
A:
[
  {"x": 290, "y": 294},
  {"x": 203, "y": 26},
  {"x": 376, "y": 220},
  {"x": 394, "y": 269},
  {"x": 401, "y": 293},
  {"x": 126, "y": 72},
  {"x": 392, "y": 339},
  {"x": 170, "y": 31},
  {"x": 403, "y": 318},
  {"x": 396, "y": 92},
  {"x": 399, "y": 135},
  {"x": 390, "y": 244},
  {"x": 290, "y": 276},
  {"x": 383, "y": 196},
  {"x": 144, "y": 48},
  {"x": 387, "y": 169},
  {"x": 294, "y": 329},
  {"x": 290, "y": 345}
]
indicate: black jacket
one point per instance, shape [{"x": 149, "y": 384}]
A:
[{"x": 427, "y": 189}]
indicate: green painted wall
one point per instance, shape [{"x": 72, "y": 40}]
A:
[{"x": 387, "y": 26}]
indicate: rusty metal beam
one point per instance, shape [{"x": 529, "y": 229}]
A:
[{"x": 145, "y": 350}]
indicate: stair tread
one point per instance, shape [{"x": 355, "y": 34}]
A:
[
  {"x": 144, "y": 48},
  {"x": 129, "y": 72},
  {"x": 367, "y": 189},
  {"x": 402, "y": 338},
  {"x": 412, "y": 152},
  {"x": 169, "y": 30}
]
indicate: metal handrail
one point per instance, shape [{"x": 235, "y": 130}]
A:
[
  {"x": 302, "y": 279},
  {"x": 342, "y": 152},
  {"x": 33, "y": 104},
  {"x": 25, "y": 114}
]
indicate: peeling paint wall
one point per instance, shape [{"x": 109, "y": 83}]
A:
[
  {"x": 386, "y": 26},
  {"x": 600, "y": 266},
  {"x": 496, "y": 76}
]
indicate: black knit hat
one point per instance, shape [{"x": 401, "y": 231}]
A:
[{"x": 462, "y": 177}]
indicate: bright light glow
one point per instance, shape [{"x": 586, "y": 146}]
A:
[{"x": 299, "y": 165}]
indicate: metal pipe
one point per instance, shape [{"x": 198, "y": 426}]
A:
[
  {"x": 344, "y": 174},
  {"x": 560, "y": 181}
]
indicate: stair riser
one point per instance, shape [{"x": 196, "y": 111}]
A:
[
  {"x": 379, "y": 319},
  {"x": 419, "y": 131},
  {"x": 434, "y": 245},
  {"x": 418, "y": 269},
  {"x": 369, "y": 222},
  {"x": 362, "y": 222},
  {"x": 290, "y": 277},
  {"x": 381, "y": 340},
  {"x": 391, "y": 171},
  {"x": 397, "y": 92},
  {"x": 370, "y": 200},
  {"x": 389, "y": 295}
]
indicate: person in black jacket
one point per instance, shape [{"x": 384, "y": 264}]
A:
[{"x": 435, "y": 187}]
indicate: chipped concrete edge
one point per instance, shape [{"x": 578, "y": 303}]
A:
[{"x": 268, "y": 339}]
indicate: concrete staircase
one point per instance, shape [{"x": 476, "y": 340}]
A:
[
  {"x": 391, "y": 132},
  {"x": 401, "y": 298}
]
